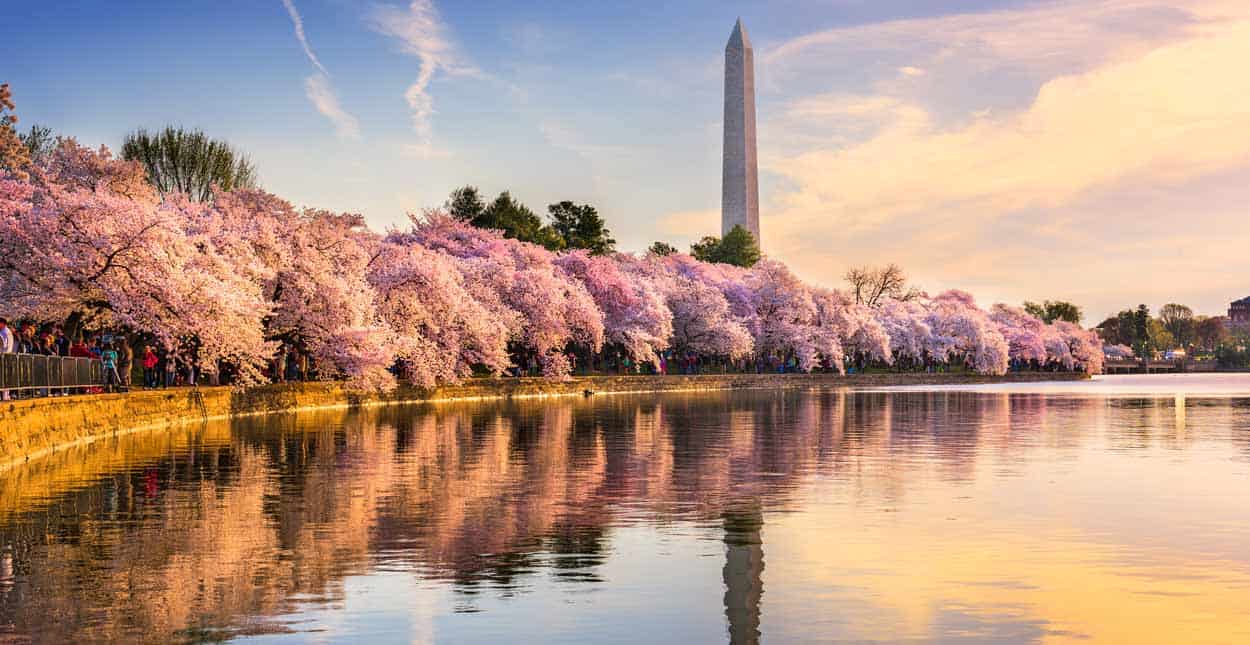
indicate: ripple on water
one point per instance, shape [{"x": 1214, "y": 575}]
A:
[{"x": 986, "y": 513}]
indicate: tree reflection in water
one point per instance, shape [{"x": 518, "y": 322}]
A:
[{"x": 225, "y": 530}]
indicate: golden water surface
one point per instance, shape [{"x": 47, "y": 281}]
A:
[{"x": 1111, "y": 511}]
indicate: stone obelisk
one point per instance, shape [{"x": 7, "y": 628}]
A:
[{"x": 740, "y": 187}]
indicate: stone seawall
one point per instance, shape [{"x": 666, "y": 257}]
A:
[{"x": 32, "y": 428}]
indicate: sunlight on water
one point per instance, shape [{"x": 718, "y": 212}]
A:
[
  {"x": 1217, "y": 385},
  {"x": 1113, "y": 510}
]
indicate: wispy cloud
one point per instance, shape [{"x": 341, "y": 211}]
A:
[
  {"x": 298, "y": 22},
  {"x": 421, "y": 33},
  {"x": 317, "y": 87}
]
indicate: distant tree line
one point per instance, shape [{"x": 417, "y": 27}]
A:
[
  {"x": 570, "y": 225},
  {"x": 1176, "y": 327}
]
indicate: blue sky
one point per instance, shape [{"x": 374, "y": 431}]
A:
[{"x": 1016, "y": 149}]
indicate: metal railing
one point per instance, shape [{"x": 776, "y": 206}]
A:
[{"x": 32, "y": 372}]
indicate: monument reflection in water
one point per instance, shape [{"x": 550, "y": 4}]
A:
[{"x": 892, "y": 515}]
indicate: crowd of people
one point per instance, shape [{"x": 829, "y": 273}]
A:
[{"x": 124, "y": 359}]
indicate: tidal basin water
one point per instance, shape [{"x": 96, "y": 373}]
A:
[{"x": 1116, "y": 510}]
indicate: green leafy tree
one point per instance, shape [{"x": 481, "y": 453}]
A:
[
  {"x": 1052, "y": 310},
  {"x": 706, "y": 249},
  {"x": 1210, "y": 332},
  {"x": 1179, "y": 321},
  {"x": 466, "y": 205},
  {"x": 189, "y": 162},
  {"x": 1141, "y": 331},
  {"x": 1109, "y": 330},
  {"x": 1160, "y": 338},
  {"x": 581, "y": 227},
  {"x": 662, "y": 248},
  {"x": 1127, "y": 327},
  {"x": 517, "y": 221},
  {"x": 738, "y": 248}
]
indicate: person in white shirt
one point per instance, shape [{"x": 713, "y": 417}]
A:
[{"x": 7, "y": 346}]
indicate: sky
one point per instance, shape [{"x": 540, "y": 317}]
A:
[{"x": 1096, "y": 151}]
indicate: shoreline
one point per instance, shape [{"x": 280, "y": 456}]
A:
[{"x": 31, "y": 429}]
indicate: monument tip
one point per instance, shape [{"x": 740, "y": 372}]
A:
[{"x": 739, "y": 36}]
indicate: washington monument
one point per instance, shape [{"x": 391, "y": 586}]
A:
[{"x": 740, "y": 186}]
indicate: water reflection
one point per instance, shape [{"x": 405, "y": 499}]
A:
[
  {"x": 743, "y": 573},
  {"x": 885, "y": 515}
]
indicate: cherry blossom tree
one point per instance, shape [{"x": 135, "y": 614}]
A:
[
  {"x": 785, "y": 316},
  {"x": 1084, "y": 344},
  {"x": 553, "y": 310},
  {"x": 859, "y": 327},
  {"x": 312, "y": 267},
  {"x": 1058, "y": 351},
  {"x": 323, "y": 299},
  {"x": 906, "y": 324},
  {"x": 701, "y": 318},
  {"x": 85, "y": 239},
  {"x": 1022, "y": 331},
  {"x": 966, "y": 331},
  {"x": 441, "y": 331},
  {"x": 702, "y": 322},
  {"x": 635, "y": 315}
]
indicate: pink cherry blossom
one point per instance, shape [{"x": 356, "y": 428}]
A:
[
  {"x": 1023, "y": 333},
  {"x": 70, "y": 245},
  {"x": 85, "y": 238},
  {"x": 441, "y": 331},
  {"x": 634, "y": 313},
  {"x": 552, "y": 310},
  {"x": 966, "y": 333}
]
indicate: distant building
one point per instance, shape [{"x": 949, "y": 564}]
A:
[{"x": 1239, "y": 314}]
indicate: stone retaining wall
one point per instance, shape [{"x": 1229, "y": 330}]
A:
[{"x": 32, "y": 428}]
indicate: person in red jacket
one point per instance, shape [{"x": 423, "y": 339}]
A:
[
  {"x": 150, "y": 361},
  {"x": 79, "y": 349}
]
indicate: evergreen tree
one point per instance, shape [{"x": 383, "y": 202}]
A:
[
  {"x": 517, "y": 221},
  {"x": 1126, "y": 328},
  {"x": 737, "y": 248},
  {"x": 466, "y": 205},
  {"x": 1141, "y": 330},
  {"x": 662, "y": 248},
  {"x": 581, "y": 227}
]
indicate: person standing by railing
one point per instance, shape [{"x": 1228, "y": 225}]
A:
[
  {"x": 125, "y": 360},
  {"x": 62, "y": 341},
  {"x": 45, "y": 346},
  {"x": 79, "y": 349},
  {"x": 108, "y": 356},
  {"x": 7, "y": 346},
  {"x": 26, "y": 339}
]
